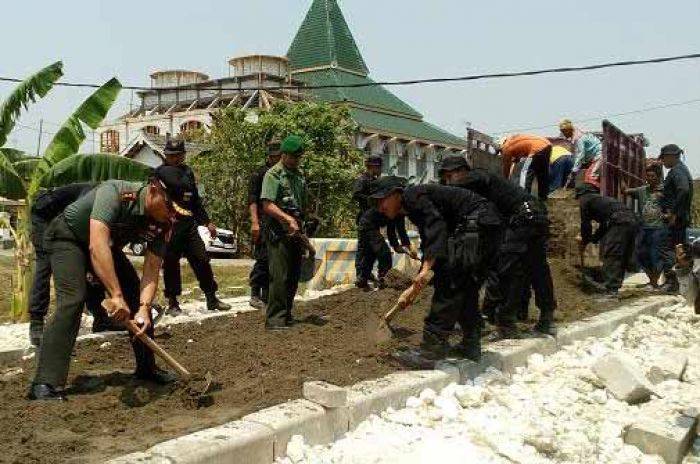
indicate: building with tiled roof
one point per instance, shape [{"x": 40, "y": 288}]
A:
[{"x": 322, "y": 54}]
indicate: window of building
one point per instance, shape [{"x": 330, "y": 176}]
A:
[
  {"x": 152, "y": 130},
  {"x": 421, "y": 165},
  {"x": 387, "y": 166},
  {"x": 190, "y": 126},
  {"x": 109, "y": 141},
  {"x": 437, "y": 159}
]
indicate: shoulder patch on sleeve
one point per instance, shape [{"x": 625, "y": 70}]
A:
[{"x": 128, "y": 196}]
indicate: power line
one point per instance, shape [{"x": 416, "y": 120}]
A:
[
  {"x": 598, "y": 118},
  {"x": 474, "y": 77}
]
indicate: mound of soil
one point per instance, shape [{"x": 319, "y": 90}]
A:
[{"x": 110, "y": 414}]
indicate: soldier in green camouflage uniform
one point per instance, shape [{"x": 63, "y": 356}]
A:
[
  {"x": 284, "y": 201},
  {"x": 90, "y": 235}
]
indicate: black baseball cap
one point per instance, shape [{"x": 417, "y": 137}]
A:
[
  {"x": 385, "y": 186},
  {"x": 452, "y": 163},
  {"x": 671, "y": 149},
  {"x": 174, "y": 147},
  {"x": 176, "y": 186}
]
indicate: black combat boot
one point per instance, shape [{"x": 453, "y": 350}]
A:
[
  {"x": 545, "y": 327},
  {"x": 434, "y": 346},
  {"x": 215, "y": 304},
  {"x": 504, "y": 332},
  {"x": 470, "y": 347},
  {"x": 156, "y": 375},
  {"x": 173, "y": 307},
  {"x": 36, "y": 331},
  {"x": 45, "y": 392}
]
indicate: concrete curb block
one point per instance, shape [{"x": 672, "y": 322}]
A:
[
  {"x": 262, "y": 436},
  {"x": 507, "y": 355}
]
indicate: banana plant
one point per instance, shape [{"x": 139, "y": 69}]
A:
[{"x": 21, "y": 175}]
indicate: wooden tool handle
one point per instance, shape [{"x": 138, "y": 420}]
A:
[{"x": 164, "y": 355}]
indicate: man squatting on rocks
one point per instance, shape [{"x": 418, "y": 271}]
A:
[
  {"x": 371, "y": 245},
  {"x": 185, "y": 238},
  {"x": 456, "y": 227},
  {"x": 260, "y": 274},
  {"x": 90, "y": 235},
  {"x": 284, "y": 199},
  {"x": 521, "y": 259},
  {"x": 47, "y": 205}
]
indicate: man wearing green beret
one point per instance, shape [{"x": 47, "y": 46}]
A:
[{"x": 284, "y": 201}]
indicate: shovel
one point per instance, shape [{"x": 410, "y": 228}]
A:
[
  {"x": 385, "y": 331},
  {"x": 197, "y": 386}
]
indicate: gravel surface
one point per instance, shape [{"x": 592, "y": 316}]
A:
[{"x": 555, "y": 410}]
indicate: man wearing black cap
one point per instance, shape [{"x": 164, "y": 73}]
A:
[
  {"x": 675, "y": 202},
  {"x": 617, "y": 229},
  {"x": 260, "y": 274},
  {"x": 90, "y": 234},
  {"x": 522, "y": 257},
  {"x": 371, "y": 245},
  {"x": 455, "y": 227},
  {"x": 185, "y": 238},
  {"x": 284, "y": 199}
]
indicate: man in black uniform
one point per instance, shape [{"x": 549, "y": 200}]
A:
[
  {"x": 675, "y": 202},
  {"x": 617, "y": 229},
  {"x": 90, "y": 234},
  {"x": 47, "y": 205},
  {"x": 522, "y": 257},
  {"x": 455, "y": 227},
  {"x": 186, "y": 240},
  {"x": 260, "y": 274},
  {"x": 371, "y": 245}
]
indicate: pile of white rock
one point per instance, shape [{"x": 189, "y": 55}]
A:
[{"x": 633, "y": 397}]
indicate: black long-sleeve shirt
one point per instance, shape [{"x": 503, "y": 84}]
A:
[
  {"x": 437, "y": 210},
  {"x": 678, "y": 194},
  {"x": 507, "y": 196},
  {"x": 192, "y": 200},
  {"x": 361, "y": 191},
  {"x": 595, "y": 207},
  {"x": 395, "y": 229}
]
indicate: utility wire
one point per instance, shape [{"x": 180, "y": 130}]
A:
[
  {"x": 474, "y": 77},
  {"x": 598, "y": 118}
]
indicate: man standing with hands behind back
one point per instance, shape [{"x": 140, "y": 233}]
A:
[
  {"x": 260, "y": 274},
  {"x": 185, "y": 238}
]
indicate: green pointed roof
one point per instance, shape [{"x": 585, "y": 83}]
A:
[
  {"x": 324, "y": 40},
  {"x": 324, "y": 53}
]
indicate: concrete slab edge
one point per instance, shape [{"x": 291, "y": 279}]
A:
[{"x": 262, "y": 436}]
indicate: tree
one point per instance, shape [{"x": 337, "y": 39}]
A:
[
  {"x": 330, "y": 164},
  {"x": 21, "y": 176}
]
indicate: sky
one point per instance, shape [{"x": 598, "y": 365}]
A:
[{"x": 399, "y": 39}]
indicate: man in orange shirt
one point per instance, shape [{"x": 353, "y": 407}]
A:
[{"x": 536, "y": 151}]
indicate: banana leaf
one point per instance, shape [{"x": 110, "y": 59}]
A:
[
  {"x": 95, "y": 168},
  {"x": 25, "y": 168},
  {"x": 37, "y": 85},
  {"x": 71, "y": 135},
  {"x": 14, "y": 155},
  {"x": 11, "y": 184}
]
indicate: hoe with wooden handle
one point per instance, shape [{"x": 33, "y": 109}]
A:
[
  {"x": 384, "y": 329},
  {"x": 184, "y": 375}
]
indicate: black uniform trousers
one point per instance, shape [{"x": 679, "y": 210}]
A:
[
  {"x": 70, "y": 259},
  {"x": 371, "y": 247},
  {"x": 285, "y": 256},
  {"x": 523, "y": 262},
  {"x": 186, "y": 242},
  {"x": 259, "y": 278},
  {"x": 455, "y": 299},
  {"x": 40, "y": 294},
  {"x": 538, "y": 168},
  {"x": 616, "y": 250}
]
